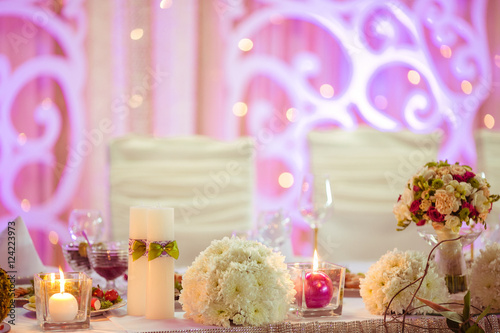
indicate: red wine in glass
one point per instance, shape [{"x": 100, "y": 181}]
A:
[{"x": 111, "y": 272}]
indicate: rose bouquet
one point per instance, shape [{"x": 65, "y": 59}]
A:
[
  {"x": 446, "y": 196},
  {"x": 236, "y": 281}
]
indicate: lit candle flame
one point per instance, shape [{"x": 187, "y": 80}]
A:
[
  {"x": 315, "y": 261},
  {"x": 61, "y": 280}
]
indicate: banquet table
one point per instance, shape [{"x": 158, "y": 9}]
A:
[{"x": 355, "y": 318}]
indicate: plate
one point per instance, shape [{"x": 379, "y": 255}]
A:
[
  {"x": 5, "y": 329},
  {"x": 29, "y": 307}
]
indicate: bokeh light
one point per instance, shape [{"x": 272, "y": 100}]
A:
[
  {"x": 489, "y": 121},
  {"x": 413, "y": 77},
  {"x": 25, "y": 205},
  {"x": 240, "y": 109},
  {"x": 136, "y": 34},
  {"x": 47, "y": 103},
  {"x": 466, "y": 87},
  {"x": 164, "y": 4},
  {"x": 445, "y": 51},
  {"x": 380, "y": 102},
  {"x": 53, "y": 237},
  {"x": 245, "y": 44},
  {"x": 326, "y": 90},
  {"x": 285, "y": 180},
  {"x": 21, "y": 139},
  {"x": 135, "y": 101},
  {"x": 291, "y": 114}
]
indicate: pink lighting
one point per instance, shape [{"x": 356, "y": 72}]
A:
[{"x": 273, "y": 70}]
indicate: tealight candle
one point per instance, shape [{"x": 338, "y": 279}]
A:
[
  {"x": 62, "y": 306},
  {"x": 318, "y": 288}
]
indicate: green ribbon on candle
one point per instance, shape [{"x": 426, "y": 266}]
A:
[
  {"x": 138, "y": 249},
  {"x": 156, "y": 249}
]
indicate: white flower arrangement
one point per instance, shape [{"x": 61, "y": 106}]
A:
[
  {"x": 394, "y": 271},
  {"x": 485, "y": 284},
  {"x": 237, "y": 281}
]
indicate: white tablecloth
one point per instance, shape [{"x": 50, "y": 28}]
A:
[{"x": 355, "y": 318}]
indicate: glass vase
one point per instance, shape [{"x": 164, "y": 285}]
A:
[{"x": 450, "y": 261}]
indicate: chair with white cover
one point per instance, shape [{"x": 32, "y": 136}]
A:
[
  {"x": 368, "y": 170},
  {"x": 209, "y": 183}
]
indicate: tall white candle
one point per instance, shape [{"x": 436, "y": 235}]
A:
[
  {"x": 138, "y": 269},
  {"x": 160, "y": 286}
]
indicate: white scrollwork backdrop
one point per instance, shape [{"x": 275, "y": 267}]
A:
[
  {"x": 42, "y": 80},
  {"x": 74, "y": 74}
]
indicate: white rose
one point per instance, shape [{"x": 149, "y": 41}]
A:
[
  {"x": 429, "y": 174},
  {"x": 453, "y": 222},
  {"x": 480, "y": 202},
  {"x": 447, "y": 179}
]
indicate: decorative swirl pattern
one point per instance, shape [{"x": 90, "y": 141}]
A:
[
  {"x": 372, "y": 35},
  {"x": 66, "y": 28}
]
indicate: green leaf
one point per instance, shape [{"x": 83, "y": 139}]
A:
[
  {"x": 474, "y": 329},
  {"x": 452, "y": 316},
  {"x": 454, "y": 326},
  {"x": 466, "y": 313},
  {"x": 484, "y": 313},
  {"x": 434, "y": 306}
]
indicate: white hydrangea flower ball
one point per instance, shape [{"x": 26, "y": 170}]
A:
[
  {"x": 394, "y": 271},
  {"x": 485, "y": 281},
  {"x": 237, "y": 281}
]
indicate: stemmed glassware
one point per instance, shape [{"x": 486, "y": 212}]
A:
[
  {"x": 316, "y": 201},
  {"x": 109, "y": 260},
  {"x": 273, "y": 229},
  {"x": 90, "y": 222}
]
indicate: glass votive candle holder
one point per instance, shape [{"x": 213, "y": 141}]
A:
[
  {"x": 320, "y": 291},
  {"x": 63, "y": 300}
]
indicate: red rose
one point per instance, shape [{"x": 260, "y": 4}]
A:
[
  {"x": 415, "y": 206},
  {"x": 421, "y": 223},
  {"x": 435, "y": 215}
]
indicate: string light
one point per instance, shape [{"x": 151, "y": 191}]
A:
[
  {"x": 25, "y": 205},
  {"x": 326, "y": 90},
  {"x": 489, "y": 121},
  {"x": 240, "y": 109},
  {"x": 21, "y": 139},
  {"x": 53, "y": 237},
  {"x": 380, "y": 102},
  {"x": 291, "y": 114},
  {"x": 413, "y": 77},
  {"x": 135, "y": 101},
  {"x": 285, "y": 180},
  {"x": 136, "y": 34},
  {"x": 245, "y": 44},
  {"x": 445, "y": 51},
  {"x": 466, "y": 87},
  {"x": 164, "y": 4}
]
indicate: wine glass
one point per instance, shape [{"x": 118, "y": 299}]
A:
[
  {"x": 273, "y": 229},
  {"x": 88, "y": 221},
  {"x": 316, "y": 201},
  {"x": 109, "y": 260}
]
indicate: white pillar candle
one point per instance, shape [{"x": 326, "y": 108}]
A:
[
  {"x": 160, "y": 286},
  {"x": 63, "y": 307},
  {"x": 138, "y": 269}
]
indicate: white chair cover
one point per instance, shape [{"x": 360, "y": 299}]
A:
[
  {"x": 368, "y": 170},
  {"x": 209, "y": 183},
  {"x": 488, "y": 161}
]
